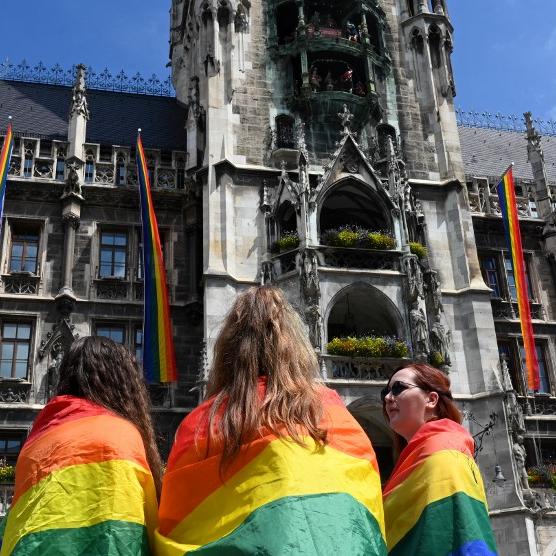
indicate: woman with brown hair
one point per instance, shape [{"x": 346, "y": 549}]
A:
[
  {"x": 88, "y": 475},
  {"x": 434, "y": 501},
  {"x": 272, "y": 462}
]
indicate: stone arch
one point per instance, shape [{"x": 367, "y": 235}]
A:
[
  {"x": 360, "y": 309},
  {"x": 435, "y": 45},
  {"x": 367, "y": 410},
  {"x": 352, "y": 201},
  {"x": 286, "y": 217}
]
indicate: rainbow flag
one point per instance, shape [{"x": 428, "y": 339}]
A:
[
  {"x": 277, "y": 497},
  {"x": 5, "y": 157},
  {"x": 434, "y": 501},
  {"x": 83, "y": 486},
  {"x": 159, "y": 358},
  {"x": 508, "y": 206}
]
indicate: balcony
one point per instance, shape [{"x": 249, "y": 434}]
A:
[
  {"x": 504, "y": 309},
  {"x": 539, "y": 405},
  {"x": 21, "y": 283},
  {"x": 359, "y": 368},
  {"x": 353, "y": 258},
  {"x": 484, "y": 203}
]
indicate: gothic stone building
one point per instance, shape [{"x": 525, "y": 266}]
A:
[{"x": 313, "y": 145}]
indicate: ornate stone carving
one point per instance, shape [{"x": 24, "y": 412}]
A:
[
  {"x": 21, "y": 283},
  {"x": 520, "y": 457},
  {"x": 72, "y": 220},
  {"x": 440, "y": 340},
  {"x": 267, "y": 273},
  {"x": 419, "y": 331},
  {"x": 414, "y": 277},
  {"x": 73, "y": 180},
  {"x": 14, "y": 392},
  {"x": 432, "y": 288},
  {"x": 79, "y": 105},
  {"x": 310, "y": 293},
  {"x": 345, "y": 118},
  {"x": 240, "y": 21},
  {"x": 111, "y": 289},
  {"x": 350, "y": 161}
]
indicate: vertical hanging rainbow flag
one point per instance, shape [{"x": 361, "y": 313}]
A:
[
  {"x": 5, "y": 156},
  {"x": 508, "y": 206},
  {"x": 159, "y": 358}
]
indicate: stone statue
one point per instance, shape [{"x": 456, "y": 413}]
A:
[
  {"x": 418, "y": 329},
  {"x": 314, "y": 322},
  {"x": 433, "y": 290},
  {"x": 440, "y": 340},
  {"x": 414, "y": 277},
  {"x": 309, "y": 279},
  {"x": 79, "y": 100},
  {"x": 73, "y": 180},
  {"x": 53, "y": 371},
  {"x": 266, "y": 273},
  {"x": 520, "y": 455},
  {"x": 329, "y": 82},
  {"x": 240, "y": 20}
]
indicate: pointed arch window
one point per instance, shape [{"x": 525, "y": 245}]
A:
[
  {"x": 29, "y": 154},
  {"x": 89, "y": 166},
  {"x": 120, "y": 169},
  {"x": 60, "y": 163},
  {"x": 435, "y": 40}
]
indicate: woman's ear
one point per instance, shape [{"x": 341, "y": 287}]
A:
[{"x": 432, "y": 400}]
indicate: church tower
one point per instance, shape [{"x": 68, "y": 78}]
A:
[{"x": 322, "y": 139}]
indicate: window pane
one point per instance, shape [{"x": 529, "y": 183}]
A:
[
  {"x": 5, "y": 367},
  {"x": 105, "y": 270},
  {"x": 21, "y": 369},
  {"x": 10, "y": 330},
  {"x": 120, "y": 239},
  {"x": 117, "y": 335},
  {"x": 13, "y": 445},
  {"x": 106, "y": 256},
  {"x": 107, "y": 238},
  {"x": 544, "y": 384},
  {"x": 22, "y": 351},
  {"x": 16, "y": 264},
  {"x": 7, "y": 351},
  {"x": 24, "y": 331},
  {"x": 30, "y": 265},
  {"x": 17, "y": 249}
]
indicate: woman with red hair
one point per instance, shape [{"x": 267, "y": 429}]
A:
[{"x": 434, "y": 501}]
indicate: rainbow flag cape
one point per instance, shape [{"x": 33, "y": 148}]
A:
[
  {"x": 5, "y": 157},
  {"x": 83, "y": 486},
  {"x": 159, "y": 358},
  {"x": 277, "y": 497},
  {"x": 508, "y": 206},
  {"x": 434, "y": 501}
]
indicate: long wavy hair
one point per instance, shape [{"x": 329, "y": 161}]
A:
[
  {"x": 263, "y": 336},
  {"x": 429, "y": 379},
  {"x": 104, "y": 372}
]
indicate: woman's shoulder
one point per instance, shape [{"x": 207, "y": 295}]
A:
[{"x": 442, "y": 434}]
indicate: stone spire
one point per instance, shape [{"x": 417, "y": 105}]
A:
[
  {"x": 78, "y": 115},
  {"x": 535, "y": 154}
]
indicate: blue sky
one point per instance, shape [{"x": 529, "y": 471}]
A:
[{"x": 504, "y": 58}]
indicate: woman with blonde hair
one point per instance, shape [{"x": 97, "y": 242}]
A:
[
  {"x": 434, "y": 501},
  {"x": 272, "y": 462}
]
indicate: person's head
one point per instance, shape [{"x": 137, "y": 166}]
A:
[
  {"x": 104, "y": 372},
  {"x": 263, "y": 336},
  {"x": 416, "y": 394}
]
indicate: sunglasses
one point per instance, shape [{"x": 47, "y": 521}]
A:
[{"x": 396, "y": 388}]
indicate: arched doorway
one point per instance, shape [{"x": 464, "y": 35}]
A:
[{"x": 368, "y": 413}]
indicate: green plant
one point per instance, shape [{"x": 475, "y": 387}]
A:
[
  {"x": 380, "y": 240},
  {"x": 418, "y": 249},
  {"x": 436, "y": 359},
  {"x": 367, "y": 346},
  {"x": 287, "y": 241},
  {"x": 7, "y": 472},
  {"x": 356, "y": 236}
]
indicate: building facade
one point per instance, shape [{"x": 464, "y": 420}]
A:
[{"x": 311, "y": 145}]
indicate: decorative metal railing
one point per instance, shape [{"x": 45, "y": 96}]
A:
[
  {"x": 502, "y": 122},
  {"x": 369, "y": 259},
  {"x": 104, "y": 80},
  {"x": 358, "y": 368}
]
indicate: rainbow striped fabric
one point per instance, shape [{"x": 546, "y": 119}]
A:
[
  {"x": 83, "y": 486},
  {"x": 508, "y": 206},
  {"x": 5, "y": 157},
  {"x": 434, "y": 501},
  {"x": 277, "y": 497},
  {"x": 159, "y": 358}
]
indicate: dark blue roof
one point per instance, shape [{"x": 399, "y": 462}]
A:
[{"x": 41, "y": 109}]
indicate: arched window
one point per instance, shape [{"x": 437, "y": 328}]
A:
[
  {"x": 89, "y": 166},
  {"x": 287, "y": 220},
  {"x": 285, "y": 132},
  {"x": 435, "y": 38},
  {"x": 60, "y": 163},
  {"x": 180, "y": 172},
  {"x": 120, "y": 169},
  {"x": 354, "y": 205},
  {"x": 417, "y": 41},
  {"x": 29, "y": 154}
]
